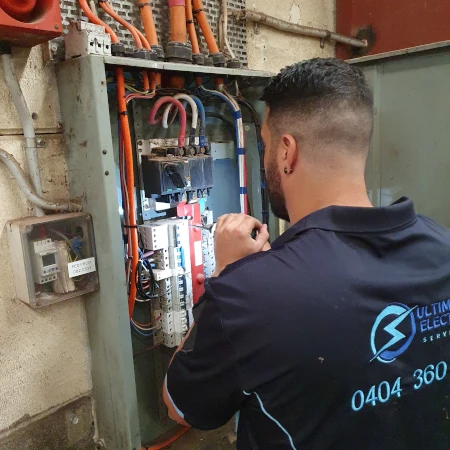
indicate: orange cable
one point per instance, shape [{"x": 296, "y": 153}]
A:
[
  {"x": 138, "y": 37},
  {"x": 205, "y": 27},
  {"x": 129, "y": 165},
  {"x": 181, "y": 432},
  {"x": 148, "y": 22},
  {"x": 177, "y": 21},
  {"x": 191, "y": 28},
  {"x": 128, "y": 150},
  {"x": 94, "y": 19}
]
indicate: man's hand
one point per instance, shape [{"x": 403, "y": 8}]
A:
[{"x": 233, "y": 239}]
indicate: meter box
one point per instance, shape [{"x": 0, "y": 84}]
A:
[{"x": 53, "y": 257}]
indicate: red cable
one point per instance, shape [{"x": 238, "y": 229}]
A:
[{"x": 152, "y": 118}]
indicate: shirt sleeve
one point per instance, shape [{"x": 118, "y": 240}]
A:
[{"x": 203, "y": 380}]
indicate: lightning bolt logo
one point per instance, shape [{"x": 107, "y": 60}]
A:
[{"x": 402, "y": 312}]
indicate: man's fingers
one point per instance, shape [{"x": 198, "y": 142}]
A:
[
  {"x": 222, "y": 221},
  {"x": 262, "y": 237}
]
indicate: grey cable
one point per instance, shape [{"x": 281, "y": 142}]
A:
[
  {"x": 17, "y": 172},
  {"x": 27, "y": 124}
]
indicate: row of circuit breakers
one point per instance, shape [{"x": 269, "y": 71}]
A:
[{"x": 182, "y": 246}]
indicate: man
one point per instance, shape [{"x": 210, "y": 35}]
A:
[{"x": 339, "y": 336}]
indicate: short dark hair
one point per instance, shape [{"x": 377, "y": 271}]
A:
[{"x": 328, "y": 96}]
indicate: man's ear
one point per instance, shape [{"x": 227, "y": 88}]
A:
[{"x": 289, "y": 153}]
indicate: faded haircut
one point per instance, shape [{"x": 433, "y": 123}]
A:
[{"x": 324, "y": 103}]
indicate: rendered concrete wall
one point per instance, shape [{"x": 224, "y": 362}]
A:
[
  {"x": 270, "y": 49},
  {"x": 44, "y": 354}
]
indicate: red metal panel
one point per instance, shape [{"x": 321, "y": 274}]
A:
[
  {"x": 397, "y": 24},
  {"x": 195, "y": 240},
  {"x": 30, "y": 22}
]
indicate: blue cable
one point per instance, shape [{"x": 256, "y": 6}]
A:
[
  {"x": 224, "y": 98},
  {"x": 201, "y": 110},
  {"x": 140, "y": 332}
]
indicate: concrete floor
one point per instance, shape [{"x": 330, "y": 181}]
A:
[{"x": 221, "y": 439}]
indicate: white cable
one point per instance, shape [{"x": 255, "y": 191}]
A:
[
  {"x": 17, "y": 172},
  {"x": 192, "y": 104},
  {"x": 27, "y": 125},
  {"x": 225, "y": 29}
]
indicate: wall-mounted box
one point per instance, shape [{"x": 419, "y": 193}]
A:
[{"x": 53, "y": 257}]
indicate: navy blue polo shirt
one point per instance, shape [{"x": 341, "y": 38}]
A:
[{"x": 337, "y": 338}]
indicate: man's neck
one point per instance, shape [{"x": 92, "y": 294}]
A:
[{"x": 316, "y": 194}]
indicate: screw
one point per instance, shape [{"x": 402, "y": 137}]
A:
[
  {"x": 41, "y": 142},
  {"x": 247, "y": 128},
  {"x": 102, "y": 83},
  {"x": 104, "y": 152},
  {"x": 56, "y": 26},
  {"x": 107, "y": 173},
  {"x": 74, "y": 420},
  {"x": 139, "y": 143},
  {"x": 88, "y": 216}
]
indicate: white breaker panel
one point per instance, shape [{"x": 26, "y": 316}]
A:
[{"x": 168, "y": 239}]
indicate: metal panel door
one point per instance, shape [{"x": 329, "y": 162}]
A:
[{"x": 410, "y": 152}]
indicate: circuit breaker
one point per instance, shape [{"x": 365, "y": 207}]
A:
[{"x": 52, "y": 257}]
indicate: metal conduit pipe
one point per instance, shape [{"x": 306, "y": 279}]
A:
[
  {"x": 17, "y": 172},
  {"x": 27, "y": 124},
  {"x": 270, "y": 21}
]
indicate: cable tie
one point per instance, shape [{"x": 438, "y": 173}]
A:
[
  {"x": 130, "y": 226},
  {"x": 123, "y": 113},
  {"x": 196, "y": 11},
  {"x": 142, "y": 5},
  {"x": 188, "y": 22}
]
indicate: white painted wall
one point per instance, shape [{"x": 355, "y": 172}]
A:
[
  {"x": 44, "y": 354},
  {"x": 271, "y": 50}
]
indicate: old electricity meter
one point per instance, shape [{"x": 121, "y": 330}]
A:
[{"x": 53, "y": 257}]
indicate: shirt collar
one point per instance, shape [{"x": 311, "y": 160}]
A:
[{"x": 352, "y": 219}]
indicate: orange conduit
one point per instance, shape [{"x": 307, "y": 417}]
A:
[
  {"x": 148, "y": 22},
  {"x": 129, "y": 164},
  {"x": 169, "y": 441},
  {"x": 152, "y": 37},
  {"x": 138, "y": 37},
  {"x": 204, "y": 25},
  {"x": 94, "y": 19},
  {"x": 177, "y": 21},
  {"x": 191, "y": 28},
  {"x": 126, "y": 136}
]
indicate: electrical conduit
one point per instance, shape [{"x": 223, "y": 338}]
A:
[
  {"x": 152, "y": 38},
  {"x": 138, "y": 37},
  {"x": 204, "y": 25},
  {"x": 27, "y": 125},
  {"x": 152, "y": 118},
  {"x": 130, "y": 217},
  {"x": 17, "y": 172},
  {"x": 191, "y": 28},
  {"x": 240, "y": 144},
  {"x": 194, "y": 110}
]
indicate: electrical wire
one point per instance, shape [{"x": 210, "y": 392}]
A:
[
  {"x": 240, "y": 144},
  {"x": 260, "y": 143},
  {"x": 194, "y": 110},
  {"x": 152, "y": 118}
]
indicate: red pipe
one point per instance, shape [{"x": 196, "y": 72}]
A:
[{"x": 152, "y": 118}]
